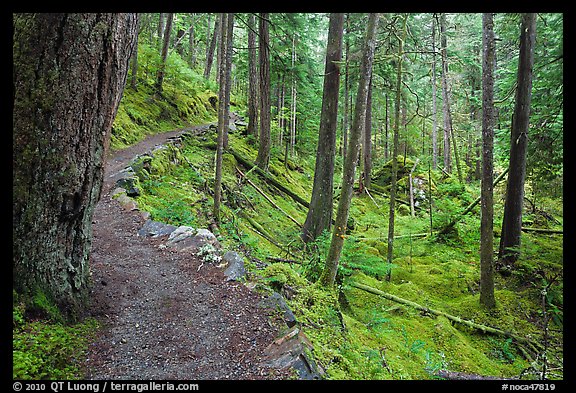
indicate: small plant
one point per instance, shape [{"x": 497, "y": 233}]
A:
[{"x": 209, "y": 253}]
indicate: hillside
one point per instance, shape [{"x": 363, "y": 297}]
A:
[{"x": 355, "y": 334}]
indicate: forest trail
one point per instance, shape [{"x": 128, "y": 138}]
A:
[{"x": 162, "y": 314}]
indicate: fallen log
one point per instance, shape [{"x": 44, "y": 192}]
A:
[
  {"x": 468, "y": 323},
  {"x": 471, "y": 206},
  {"x": 268, "y": 178},
  {"x": 542, "y": 230},
  {"x": 455, "y": 375},
  {"x": 268, "y": 198}
]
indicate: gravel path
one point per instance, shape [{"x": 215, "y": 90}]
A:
[{"x": 164, "y": 314}]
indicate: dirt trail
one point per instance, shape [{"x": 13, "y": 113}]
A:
[{"x": 164, "y": 315}]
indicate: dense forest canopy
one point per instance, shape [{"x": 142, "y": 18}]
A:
[{"x": 397, "y": 177}]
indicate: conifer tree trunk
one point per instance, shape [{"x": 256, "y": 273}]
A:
[
  {"x": 346, "y": 93},
  {"x": 331, "y": 267},
  {"x": 160, "y": 75},
  {"x": 319, "y": 215},
  {"x": 434, "y": 109},
  {"x": 226, "y": 32},
  {"x": 445, "y": 98},
  {"x": 368, "y": 138},
  {"x": 134, "y": 62},
  {"x": 263, "y": 158},
  {"x": 512, "y": 221},
  {"x": 252, "y": 128},
  {"x": 393, "y": 185},
  {"x": 65, "y": 99},
  {"x": 211, "y": 48},
  {"x": 487, "y": 200}
]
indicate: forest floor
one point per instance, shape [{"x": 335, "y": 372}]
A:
[{"x": 163, "y": 314}]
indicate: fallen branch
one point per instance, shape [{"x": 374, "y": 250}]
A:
[
  {"x": 275, "y": 259},
  {"x": 268, "y": 178},
  {"x": 473, "y": 325},
  {"x": 542, "y": 230},
  {"x": 454, "y": 375},
  {"x": 470, "y": 206},
  {"x": 268, "y": 198}
]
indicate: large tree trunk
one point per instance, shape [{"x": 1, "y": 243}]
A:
[
  {"x": 263, "y": 158},
  {"x": 252, "y": 128},
  {"x": 69, "y": 72},
  {"x": 227, "y": 64},
  {"x": 486, "y": 224},
  {"x": 346, "y": 94},
  {"x": 319, "y": 215},
  {"x": 329, "y": 273},
  {"x": 512, "y": 222}
]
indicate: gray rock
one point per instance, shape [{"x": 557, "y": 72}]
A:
[
  {"x": 128, "y": 180},
  {"x": 277, "y": 302},
  {"x": 155, "y": 229},
  {"x": 235, "y": 266},
  {"x": 293, "y": 349},
  {"x": 186, "y": 237}
]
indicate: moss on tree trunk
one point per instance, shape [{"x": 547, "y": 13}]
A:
[{"x": 69, "y": 72}]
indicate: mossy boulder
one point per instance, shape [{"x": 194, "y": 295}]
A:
[{"x": 383, "y": 176}]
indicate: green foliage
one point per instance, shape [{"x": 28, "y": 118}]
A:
[{"x": 44, "y": 349}]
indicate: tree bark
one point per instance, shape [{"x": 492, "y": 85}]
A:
[
  {"x": 134, "y": 62},
  {"x": 445, "y": 102},
  {"x": 210, "y": 51},
  {"x": 227, "y": 63},
  {"x": 68, "y": 77},
  {"x": 329, "y": 273},
  {"x": 434, "y": 109},
  {"x": 263, "y": 158},
  {"x": 223, "y": 110},
  {"x": 368, "y": 138},
  {"x": 252, "y": 128},
  {"x": 393, "y": 186},
  {"x": 512, "y": 221},
  {"x": 319, "y": 215},
  {"x": 160, "y": 75},
  {"x": 486, "y": 224}
]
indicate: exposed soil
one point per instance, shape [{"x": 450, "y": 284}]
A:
[{"x": 164, "y": 314}]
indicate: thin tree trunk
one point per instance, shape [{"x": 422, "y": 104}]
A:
[
  {"x": 368, "y": 138},
  {"x": 393, "y": 187},
  {"x": 434, "y": 109},
  {"x": 329, "y": 273},
  {"x": 222, "y": 122},
  {"x": 486, "y": 224},
  {"x": 160, "y": 75},
  {"x": 134, "y": 64},
  {"x": 210, "y": 52},
  {"x": 346, "y": 93},
  {"x": 386, "y": 126},
  {"x": 65, "y": 99},
  {"x": 252, "y": 128},
  {"x": 512, "y": 222},
  {"x": 227, "y": 62},
  {"x": 319, "y": 215},
  {"x": 445, "y": 99},
  {"x": 263, "y": 158}
]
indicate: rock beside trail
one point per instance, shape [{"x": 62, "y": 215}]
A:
[
  {"x": 235, "y": 266},
  {"x": 292, "y": 350},
  {"x": 156, "y": 229},
  {"x": 187, "y": 238},
  {"x": 277, "y": 302}
]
